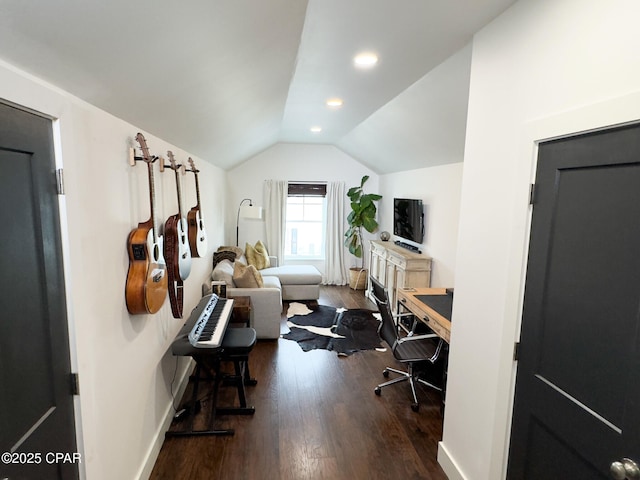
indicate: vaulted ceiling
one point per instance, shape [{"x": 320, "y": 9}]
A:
[{"x": 227, "y": 79}]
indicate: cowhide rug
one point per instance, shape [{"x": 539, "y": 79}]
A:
[{"x": 340, "y": 330}]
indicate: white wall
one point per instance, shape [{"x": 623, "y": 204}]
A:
[
  {"x": 295, "y": 163},
  {"x": 544, "y": 68},
  {"x": 439, "y": 189},
  {"x": 124, "y": 366}
]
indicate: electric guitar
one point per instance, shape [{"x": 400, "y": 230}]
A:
[
  {"x": 197, "y": 233},
  {"x": 176, "y": 225},
  {"x": 146, "y": 287}
]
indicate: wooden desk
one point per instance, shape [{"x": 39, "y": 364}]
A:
[{"x": 438, "y": 323}]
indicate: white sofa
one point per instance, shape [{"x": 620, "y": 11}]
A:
[{"x": 287, "y": 282}]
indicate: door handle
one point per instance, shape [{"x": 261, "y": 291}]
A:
[{"x": 627, "y": 469}]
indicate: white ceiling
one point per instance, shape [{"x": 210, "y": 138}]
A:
[{"x": 226, "y": 79}]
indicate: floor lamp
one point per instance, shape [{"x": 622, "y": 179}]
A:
[{"x": 248, "y": 211}]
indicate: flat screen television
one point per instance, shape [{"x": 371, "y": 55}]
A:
[{"x": 408, "y": 219}]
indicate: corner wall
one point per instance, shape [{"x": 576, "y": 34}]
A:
[
  {"x": 127, "y": 376},
  {"x": 439, "y": 189},
  {"x": 543, "y": 68}
]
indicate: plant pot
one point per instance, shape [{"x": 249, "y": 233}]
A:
[{"x": 357, "y": 278}]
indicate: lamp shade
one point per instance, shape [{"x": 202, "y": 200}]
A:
[{"x": 251, "y": 211}]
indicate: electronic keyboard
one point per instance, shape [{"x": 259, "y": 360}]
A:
[{"x": 211, "y": 318}]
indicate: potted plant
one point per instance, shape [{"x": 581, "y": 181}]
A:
[{"x": 362, "y": 215}]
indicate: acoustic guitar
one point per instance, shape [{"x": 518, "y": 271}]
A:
[
  {"x": 176, "y": 226},
  {"x": 197, "y": 233},
  {"x": 146, "y": 287}
]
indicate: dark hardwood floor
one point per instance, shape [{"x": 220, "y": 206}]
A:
[{"x": 316, "y": 417}]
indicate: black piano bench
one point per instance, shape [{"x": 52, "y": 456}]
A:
[{"x": 235, "y": 347}]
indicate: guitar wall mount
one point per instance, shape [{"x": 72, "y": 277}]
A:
[
  {"x": 133, "y": 158},
  {"x": 180, "y": 167}
]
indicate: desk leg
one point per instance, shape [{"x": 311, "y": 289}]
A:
[{"x": 445, "y": 369}]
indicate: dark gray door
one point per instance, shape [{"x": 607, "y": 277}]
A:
[
  {"x": 577, "y": 400},
  {"x": 36, "y": 409}
]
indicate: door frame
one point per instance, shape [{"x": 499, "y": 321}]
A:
[
  {"x": 66, "y": 268},
  {"x": 592, "y": 118}
]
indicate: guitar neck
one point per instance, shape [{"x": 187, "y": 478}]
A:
[
  {"x": 179, "y": 190},
  {"x": 152, "y": 201},
  {"x": 152, "y": 190},
  {"x": 198, "y": 193}
]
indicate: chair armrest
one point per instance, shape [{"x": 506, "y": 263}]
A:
[
  {"x": 411, "y": 338},
  {"x": 398, "y": 316}
]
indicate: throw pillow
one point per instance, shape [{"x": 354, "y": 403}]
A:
[
  {"x": 262, "y": 250},
  {"x": 237, "y": 250},
  {"x": 246, "y": 276},
  {"x": 224, "y": 272},
  {"x": 223, "y": 255},
  {"x": 257, "y": 256}
]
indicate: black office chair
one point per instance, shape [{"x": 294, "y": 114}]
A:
[{"x": 416, "y": 351}]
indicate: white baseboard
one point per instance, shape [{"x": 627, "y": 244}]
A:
[
  {"x": 448, "y": 464},
  {"x": 154, "y": 449}
]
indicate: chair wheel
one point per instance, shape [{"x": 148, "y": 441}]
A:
[
  {"x": 385, "y": 373},
  {"x": 415, "y": 407},
  {"x": 378, "y": 391}
]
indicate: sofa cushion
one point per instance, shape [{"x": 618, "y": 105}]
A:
[
  {"x": 271, "y": 282},
  {"x": 224, "y": 272},
  {"x": 246, "y": 276},
  {"x": 295, "y": 274},
  {"x": 257, "y": 256}
]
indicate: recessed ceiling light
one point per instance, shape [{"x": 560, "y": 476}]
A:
[
  {"x": 334, "y": 102},
  {"x": 316, "y": 129},
  {"x": 365, "y": 60}
]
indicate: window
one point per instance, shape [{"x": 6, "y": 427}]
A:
[{"x": 306, "y": 221}]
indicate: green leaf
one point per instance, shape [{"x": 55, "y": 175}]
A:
[
  {"x": 354, "y": 194},
  {"x": 369, "y": 211},
  {"x": 370, "y": 224},
  {"x": 352, "y": 231}
]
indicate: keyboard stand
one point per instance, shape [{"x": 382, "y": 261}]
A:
[{"x": 236, "y": 346}]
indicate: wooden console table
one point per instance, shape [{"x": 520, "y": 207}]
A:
[{"x": 396, "y": 267}]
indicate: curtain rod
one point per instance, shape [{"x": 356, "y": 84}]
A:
[{"x": 309, "y": 182}]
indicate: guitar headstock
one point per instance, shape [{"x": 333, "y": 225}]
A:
[
  {"x": 178, "y": 168},
  {"x": 193, "y": 166},
  {"x": 172, "y": 160},
  {"x": 146, "y": 156}
]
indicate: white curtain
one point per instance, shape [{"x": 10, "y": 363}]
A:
[
  {"x": 275, "y": 201},
  {"x": 335, "y": 271}
]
